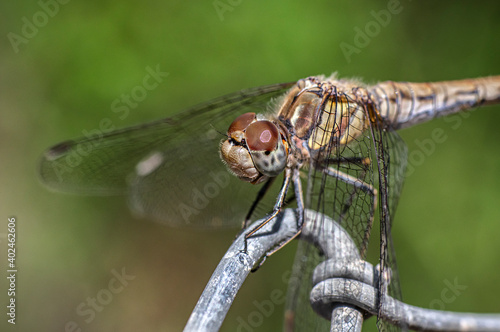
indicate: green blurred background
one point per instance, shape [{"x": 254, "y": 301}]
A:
[{"x": 64, "y": 78}]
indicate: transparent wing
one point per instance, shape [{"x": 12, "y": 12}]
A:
[
  {"x": 376, "y": 160},
  {"x": 299, "y": 315},
  {"x": 170, "y": 169},
  {"x": 392, "y": 156}
]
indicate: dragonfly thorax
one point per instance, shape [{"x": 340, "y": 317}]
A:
[
  {"x": 323, "y": 113},
  {"x": 255, "y": 149}
]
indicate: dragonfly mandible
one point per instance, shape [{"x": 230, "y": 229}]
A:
[{"x": 334, "y": 140}]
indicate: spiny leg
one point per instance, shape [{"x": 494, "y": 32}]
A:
[
  {"x": 358, "y": 184},
  {"x": 363, "y": 163},
  {"x": 262, "y": 192},
  {"x": 297, "y": 185},
  {"x": 277, "y": 206}
]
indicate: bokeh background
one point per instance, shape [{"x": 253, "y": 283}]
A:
[{"x": 63, "y": 78}]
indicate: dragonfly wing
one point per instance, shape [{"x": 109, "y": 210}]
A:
[
  {"x": 376, "y": 159},
  {"x": 348, "y": 205},
  {"x": 170, "y": 169},
  {"x": 392, "y": 154},
  {"x": 299, "y": 315}
]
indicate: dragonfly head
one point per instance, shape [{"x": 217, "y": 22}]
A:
[{"x": 255, "y": 149}]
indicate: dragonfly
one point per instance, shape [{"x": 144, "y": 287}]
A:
[{"x": 334, "y": 141}]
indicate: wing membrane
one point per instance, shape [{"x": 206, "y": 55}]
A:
[
  {"x": 377, "y": 159},
  {"x": 392, "y": 155},
  {"x": 170, "y": 168}
]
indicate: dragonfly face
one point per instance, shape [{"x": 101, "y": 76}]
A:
[{"x": 256, "y": 149}]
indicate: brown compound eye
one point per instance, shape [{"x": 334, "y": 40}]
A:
[
  {"x": 241, "y": 123},
  {"x": 262, "y": 136}
]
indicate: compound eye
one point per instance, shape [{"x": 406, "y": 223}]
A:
[
  {"x": 241, "y": 123},
  {"x": 262, "y": 136}
]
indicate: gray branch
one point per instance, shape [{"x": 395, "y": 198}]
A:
[
  {"x": 233, "y": 269},
  {"x": 344, "y": 285}
]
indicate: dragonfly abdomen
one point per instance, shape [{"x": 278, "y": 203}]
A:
[{"x": 404, "y": 104}]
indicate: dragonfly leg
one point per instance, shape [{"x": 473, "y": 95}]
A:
[
  {"x": 297, "y": 184},
  {"x": 362, "y": 162},
  {"x": 277, "y": 206},
  {"x": 300, "y": 211},
  {"x": 262, "y": 192},
  {"x": 358, "y": 184}
]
